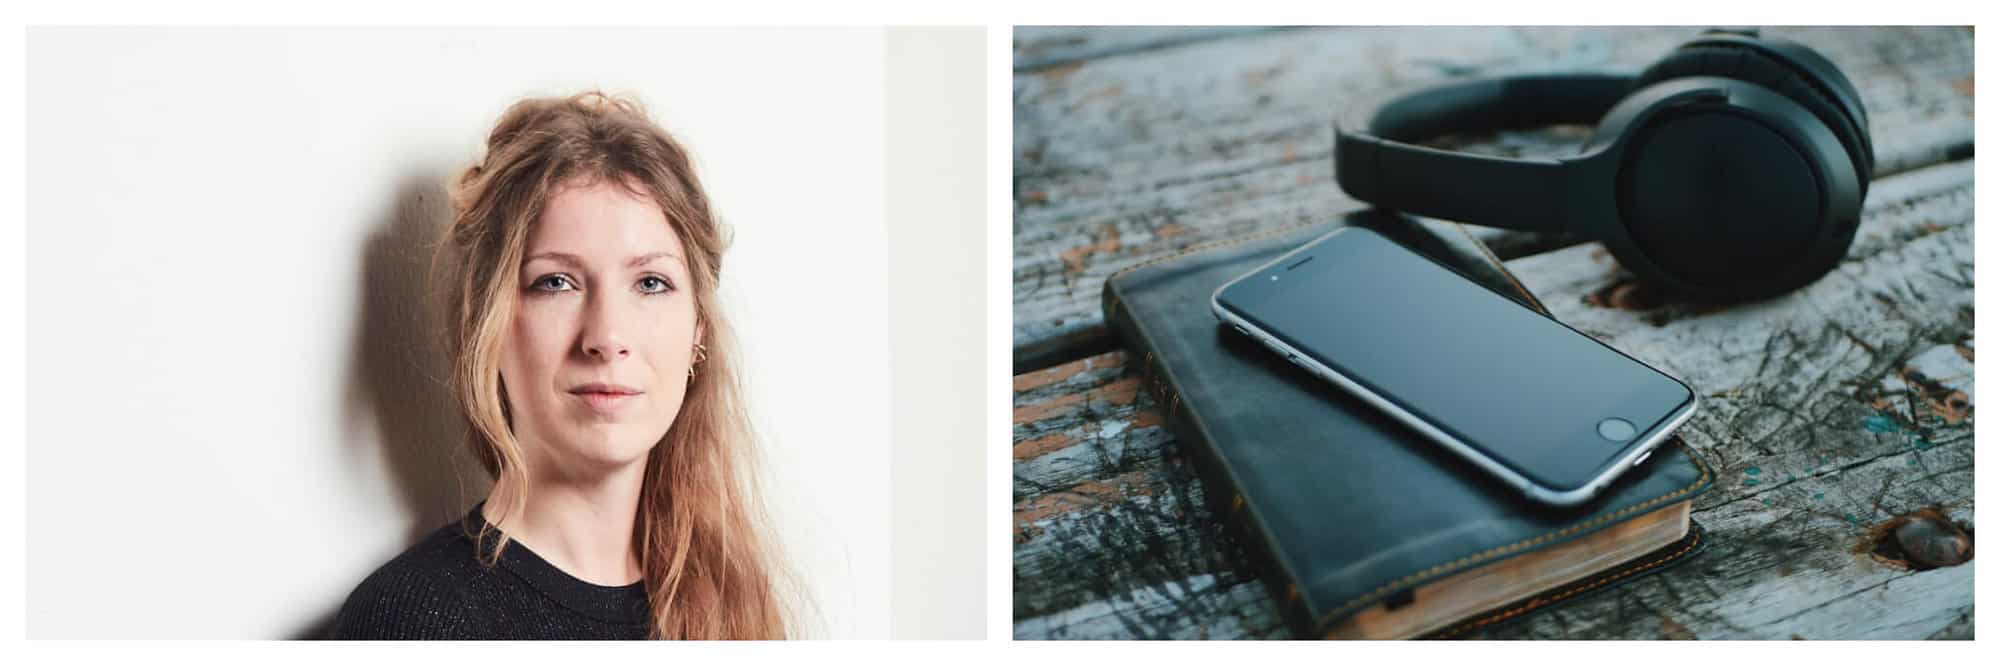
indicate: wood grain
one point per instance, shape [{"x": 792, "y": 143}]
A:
[
  {"x": 1118, "y": 160},
  {"x": 1825, "y": 412},
  {"x": 1041, "y": 47}
]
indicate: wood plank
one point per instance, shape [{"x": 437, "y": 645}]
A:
[
  {"x": 1042, "y": 47},
  {"x": 1120, "y": 160},
  {"x": 1790, "y": 562},
  {"x": 1093, "y": 402},
  {"x": 1825, "y": 412},
  {"x": 1205, "y": 606}
]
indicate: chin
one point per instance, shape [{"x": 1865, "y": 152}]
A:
[{"x": 613, "y": 444}]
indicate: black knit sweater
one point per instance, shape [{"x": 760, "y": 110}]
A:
[{"x": 438, "y": 589}]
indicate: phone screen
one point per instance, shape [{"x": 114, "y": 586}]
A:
[{"x": 1529, "y": 392}]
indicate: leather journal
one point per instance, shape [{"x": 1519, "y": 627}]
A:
[{"x": 1362, "y": 528}]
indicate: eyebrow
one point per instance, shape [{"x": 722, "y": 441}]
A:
[{"x": 573, "y": 261}]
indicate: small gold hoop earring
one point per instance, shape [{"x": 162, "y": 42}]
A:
[{"x": 700, "y": 355}]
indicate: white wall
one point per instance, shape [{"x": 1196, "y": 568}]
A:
[
  {"x": 936, "y": 205},
  {"x": 228, "y": 420}
]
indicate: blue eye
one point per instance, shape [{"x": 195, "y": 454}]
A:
[
  {"x": 653, "y": 284},
  {"x": 552, "y": 284}
]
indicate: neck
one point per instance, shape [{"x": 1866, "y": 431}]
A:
[{"x": 583, "y": 527}]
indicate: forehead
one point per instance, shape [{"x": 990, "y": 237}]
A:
[{"x": 601, "y": 220}]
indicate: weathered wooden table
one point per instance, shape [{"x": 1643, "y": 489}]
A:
[{"x": 1837, "y": 416}]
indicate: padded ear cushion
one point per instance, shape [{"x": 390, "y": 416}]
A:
[{"x": 1745, "y": 64}]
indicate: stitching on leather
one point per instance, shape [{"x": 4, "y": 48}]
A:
[
  {"x": 1503, "y": 270},
  {"x": 1156, "y": 369},
  {"x": 1218, "y": 244},
  {"x": 1462, "y": 562},
  {"x": 1488, "y": 554},
  {"x": 1538, "y": 603},
  {"x": 1210, "y": 245}
]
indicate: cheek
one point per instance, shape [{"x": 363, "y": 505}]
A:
[
  {"x": 670, "y": 365},
  {"x": 673, "y": 338},
  {"x": 532, "y": 348}
]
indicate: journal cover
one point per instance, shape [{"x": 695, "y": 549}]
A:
[{"x": 1348, "y": 509}]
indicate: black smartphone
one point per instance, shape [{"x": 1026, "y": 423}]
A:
[{"x": 1544, "y": 408}]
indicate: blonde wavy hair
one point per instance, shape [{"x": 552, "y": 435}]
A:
[{"x": 710, "y": 570}]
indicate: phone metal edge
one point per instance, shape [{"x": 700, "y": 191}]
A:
[{"x": 1534, "y": 490}]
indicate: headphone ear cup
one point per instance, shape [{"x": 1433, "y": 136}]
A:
[
  {"x": 1748, "y": 65},
  {"x": 1719, "y": 204}
]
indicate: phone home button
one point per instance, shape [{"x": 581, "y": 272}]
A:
[{"x": 1616, "y": 429}]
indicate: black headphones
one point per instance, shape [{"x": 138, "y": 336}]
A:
[{"x": 1732, "y": 169}]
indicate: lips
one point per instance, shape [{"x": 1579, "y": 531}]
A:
[{"x": 605, "y": 398}]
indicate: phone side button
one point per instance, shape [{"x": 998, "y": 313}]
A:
[{"x": 1642, "y": 457}]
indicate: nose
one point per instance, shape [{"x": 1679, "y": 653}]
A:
[{"x": 603, "y": 332}]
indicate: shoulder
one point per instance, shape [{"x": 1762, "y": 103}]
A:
[{"x": 421, "y": 594}]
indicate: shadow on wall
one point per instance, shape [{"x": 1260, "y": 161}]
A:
[{"x": 397, "y": 376}]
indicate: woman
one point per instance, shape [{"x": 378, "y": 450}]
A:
[{"x": 595, "y": 373}]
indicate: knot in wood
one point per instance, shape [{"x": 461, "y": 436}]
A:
[{"x": 1929, "y": 540}]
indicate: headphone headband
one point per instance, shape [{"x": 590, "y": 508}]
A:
[
  {"x": 1376, "y": 158},
  {"x": 1732, "y": 168}
]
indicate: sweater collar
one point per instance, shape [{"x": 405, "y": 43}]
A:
[{"x": 622, "y": 604}]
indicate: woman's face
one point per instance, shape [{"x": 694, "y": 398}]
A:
[{"x": 596, "y": 360}]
